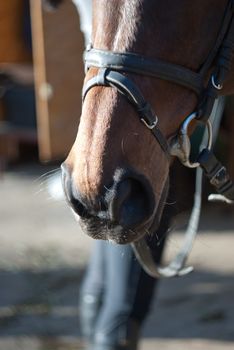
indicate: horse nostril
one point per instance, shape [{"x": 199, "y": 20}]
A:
[
  {"x": 131, "y": 203},
  {"x": 72, "y": 198},
  {"x": 78, "y": 207}
]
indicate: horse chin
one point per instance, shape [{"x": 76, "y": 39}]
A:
[{"x": 97, "y": 229}]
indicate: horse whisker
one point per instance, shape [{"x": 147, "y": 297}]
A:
[{"x": 47, "y": 175}]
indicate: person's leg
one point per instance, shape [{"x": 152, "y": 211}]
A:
[
  {"x": 118, "y": 323},
  {"x": 91, "y": 293}
]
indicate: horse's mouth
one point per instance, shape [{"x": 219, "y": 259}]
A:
[
  {"x": 100, "y": 228},
  {"x": 113, "y": 233}
]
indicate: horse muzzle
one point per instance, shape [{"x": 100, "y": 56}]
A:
[{"x": 121, "y": 213}]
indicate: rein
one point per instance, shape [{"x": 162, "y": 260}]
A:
[{"x": 113, "y": 67}]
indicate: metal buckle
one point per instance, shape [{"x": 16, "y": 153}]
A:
[
  {"x": 220, "y": 175},
  {"x": 181, "y": 145},
  {"x": 152, "y": 125},
  {"x": 215, "y": 85}
]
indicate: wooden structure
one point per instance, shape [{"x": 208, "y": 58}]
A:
[
  {"x": 58, "y": 70},
  {"x": 12, "y": 51},
  {"x": 57, "y": 51}
]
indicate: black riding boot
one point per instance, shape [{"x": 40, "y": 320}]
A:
[
  {"x": 122, "y": 337},
  {"x": 107, "y": 297}
]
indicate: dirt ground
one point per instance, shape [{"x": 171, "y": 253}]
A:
[{"x": 43, "y": 255}]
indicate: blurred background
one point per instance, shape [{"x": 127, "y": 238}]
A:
[{"x": 43, "y": 252}]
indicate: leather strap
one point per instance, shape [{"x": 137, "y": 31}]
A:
[
  {"x": 217, "y": 174},
  {"x": 134, "y": 63},
  {"x": 223, "y": 32},
  {"x": 126, "y": 87},
  {"x": 221, "y": 57}
]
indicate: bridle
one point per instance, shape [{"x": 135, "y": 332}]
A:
[
  {"x": 206, "y": 84},
  {"x": 114, "y": 65}
]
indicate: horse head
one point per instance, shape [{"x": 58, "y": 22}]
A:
[{"x": 116, "y": 175}]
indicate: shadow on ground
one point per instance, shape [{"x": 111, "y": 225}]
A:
[
  {"x": 42, "y": 303},
  {"x": 196, "y": 306},
  {"x": 45, "y": 304}
]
